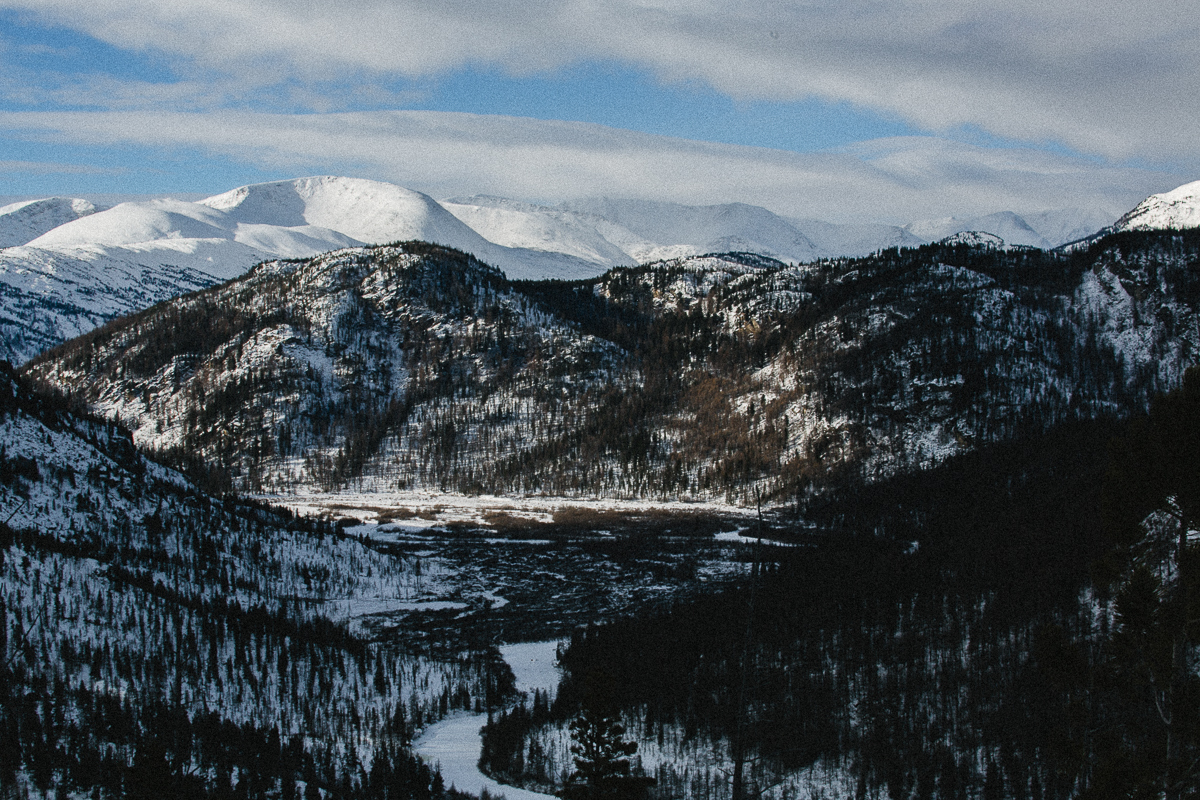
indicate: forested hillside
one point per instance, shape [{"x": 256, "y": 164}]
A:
[
  {"x": 1013, "y": 624},
  {"x": 729, "y": 377},
  {"x": 155, "y": 641}
]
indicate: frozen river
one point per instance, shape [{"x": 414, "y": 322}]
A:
[{"x": 454, "y": 744}]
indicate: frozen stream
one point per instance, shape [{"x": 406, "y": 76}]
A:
[{"x": 454, "y": 744}]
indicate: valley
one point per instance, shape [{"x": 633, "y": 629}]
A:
[
  {"x": 910, "y": 524},
  {"x": 326, "y": 644}
]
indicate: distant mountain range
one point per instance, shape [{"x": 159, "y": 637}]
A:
[{"x": 67, "y": 266}]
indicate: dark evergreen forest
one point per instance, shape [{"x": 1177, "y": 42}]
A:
[
  {"x": 156, "y": 641},
  {"x": 998, "y": 627}
]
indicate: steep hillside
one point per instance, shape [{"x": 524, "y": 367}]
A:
[
  {"x": 136, "y": 610},
  {"x": 719, "y": 377},
  {"x": 305, "y": 371}
]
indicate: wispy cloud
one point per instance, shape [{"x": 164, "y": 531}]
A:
[
  {"x": 450, "y": 153},
  {"x": 46, "y": 168},
  {"x": 1107, "y": 77}
]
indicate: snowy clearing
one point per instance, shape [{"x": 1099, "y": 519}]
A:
[{"x": 425, "y": 510}]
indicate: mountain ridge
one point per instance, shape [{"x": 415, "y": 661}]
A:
[
  {"x": 414, "y": 366},
  {"x": 225, "y": 234},
  {"x": 24, "y": 221}
]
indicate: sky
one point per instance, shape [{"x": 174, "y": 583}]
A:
[{"x": 844, "y": 110}]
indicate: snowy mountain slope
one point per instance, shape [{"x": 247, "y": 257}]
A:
[
  {"x": 678, "y": 231},
  {"x": 583, "y": 229},
  {"x": 854, "y": 240},
  {"x": 92, "y": 268},
  {"x": 1069, "y": 224},
  {"x": 417, "y": 367},
  {"x": 526, "y": 225},
  {"x": 164, "y": 224},
  {"x": 1176, "y": 209},
  {"x": 1006, "y": 225},
  {"x": 369, "y": 212},
  {"x": 138, "y": 223},
  {"x": 22, "y": 222},
  {"x": 48, "y": 296},
  {"x": 606, "y": 229},
  {"x": 339, "y": 212}
]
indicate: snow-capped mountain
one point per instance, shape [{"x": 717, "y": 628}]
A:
[
  {"x": 1067, "y": 225},
  {"x": 669, "y": 230},
  {"x": 181, "y": 226},
  {"x": 526, "y": 225},
  {"x": 854, "y": 241},
  {"x": 291, "y": 219},
  {"x": 62, "y": 253},
  {"x": 1044, "y": 230},
  {"x": 1173, "y": 210},
  {"x": 92, "y": 266},
  {"x": 617, "y": 232},
  {"x": 20, "y": 223},
  {"x": 358, "y": 211}
]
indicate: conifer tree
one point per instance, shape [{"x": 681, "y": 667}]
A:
[{"x": 600, "y": 751}]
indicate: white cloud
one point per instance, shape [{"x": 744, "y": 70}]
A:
[
  {"x": 1105, "y": 76},
  {"x": 446, "y": 154},
  {"x": 51, "y": 168}
]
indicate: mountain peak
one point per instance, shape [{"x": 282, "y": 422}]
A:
[
  {"x": 1178, "y": 208},
  {"x": 136, "y": 223},
  {"x": 975, "y": 239},
  {"x": 369, "y": 211}
]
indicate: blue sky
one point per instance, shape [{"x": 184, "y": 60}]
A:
[{"x": 840, "y": 110}]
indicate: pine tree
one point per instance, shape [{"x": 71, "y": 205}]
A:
[{"x": 602, "y": 767}]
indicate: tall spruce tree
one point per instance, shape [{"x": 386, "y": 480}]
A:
[{"x": 601, "y": 754}]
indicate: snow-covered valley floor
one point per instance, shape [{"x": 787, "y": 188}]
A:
[
  {"x": 531, "y": 568},
  {"x": 420, "y": 510}
]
